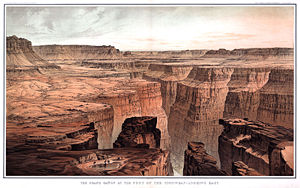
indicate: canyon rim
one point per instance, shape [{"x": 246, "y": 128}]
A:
[{"x": 149, "y": 91}]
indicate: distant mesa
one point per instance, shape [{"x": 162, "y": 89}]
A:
[{"x": 77, "y": 52}]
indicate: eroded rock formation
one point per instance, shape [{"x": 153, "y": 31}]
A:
[
  {"x": 241, "y": 169},
  {"x": 198, "y": 163},
  {"x": 138, "y": 98},
  {"x": 76, "y": 52},
  {"x": 110, "y": 162},
  {"x": 243, "y": 98},
  {"x": 20, "y": 57},
  {"x": 276, "y": 105},
  {"x": 265, "y": 148},
  {"x": 139, "y": 132},
  {"x": 168, "y": 76},
  {"x": 199, "y": 105}
]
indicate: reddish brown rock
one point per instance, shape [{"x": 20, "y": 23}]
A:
[
  {"x": 281, "y": 157},
  {"x": 168, "y": 76},
  {"x": 240, "y": 169},
  {"x": 253, "y": 143},
  {"x": 136, "y": 97},
  {"x": 276, "y": 105},
  {"x": 243, "y": 97},
  {"x": 198, "y": 163},
  {"x": 139, "y": 131},
  {"x": 199, "y": 104},
  {"x": 110, "y": 162},
  {"x": 20, "y": 55}
]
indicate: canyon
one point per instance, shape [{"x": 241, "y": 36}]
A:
[{"x": 98, "y": 111}]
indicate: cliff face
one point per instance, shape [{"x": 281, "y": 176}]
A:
[
  {"x": 243, "y": 97},
  {"x": 252, "y": 52},
  {"x": 76, "y": 52},
  {"x": 69, "y": 149},
  {"x": 199, "y": 104},
  {"x": 139, "y": 132},
  {"x": 138, "y": 98},
  {"x": 257, "y": 145},
  {"x": 19, "y": 53},
  {"x": 168, "y": 76},
  {"x": 277, "y": 99},
  {"x": 198, "y": 163}
]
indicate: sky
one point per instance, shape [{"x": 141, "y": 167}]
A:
[{"x": 155, "y": 27}]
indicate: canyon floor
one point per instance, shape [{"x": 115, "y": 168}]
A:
[{"x": 70, "y": 110}]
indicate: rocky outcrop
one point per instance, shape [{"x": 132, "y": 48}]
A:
[
  {"x": 243, "y": 97},
  {"x": 76, "y": 52},
  {"x": 260, "y": 146},
  {"x": 276, "y": 105},
  {"x": 168, "y": 76},
  {"x": 241, "y": 169},
  {"x": 198, "y": 163},
  {"x": 199, "y": 104},
  {"x": 139, "y": 132},
  {"x": 110, "y": 162},
  {"x": 281, "y": 158},
  {"x": 19, "y": 54},
  {"x": 137, "y": 98}
]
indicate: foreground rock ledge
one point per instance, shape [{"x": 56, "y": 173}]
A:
[
  {"x": 198, "y": 163},
  {"x": 266, "y": 148}
]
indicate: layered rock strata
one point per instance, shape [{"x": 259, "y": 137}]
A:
[
  {"x": 276, "y": 105},
  {"x": 138, "y": 98},
  {"x": 199, "y": 104},
  {"x": 139, "y": 132},
  {"x": 198, "y": 163},
  {"x": 252, "y": 52},
  {"x": 76, "y": 52},
  {"x": 243, "y": 98},
  {"x": 266, "y": 148},
  {"x": 168, "y": 76},
  {"x": 110, "y": 162},
  {"x": 20, "y": 56}
]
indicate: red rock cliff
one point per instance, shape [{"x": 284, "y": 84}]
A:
[{"x": 199, "y": 104}]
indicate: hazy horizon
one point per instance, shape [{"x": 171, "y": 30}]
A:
[{"x": 155, "y": 28}]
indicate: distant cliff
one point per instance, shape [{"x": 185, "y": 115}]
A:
[
  {"x": 251, "y": 52},
  {"x": 19, "y": 53},
  {"x": 76, "y": 52}
]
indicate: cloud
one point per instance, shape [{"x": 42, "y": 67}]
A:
[{"x": 156, "y": 27}]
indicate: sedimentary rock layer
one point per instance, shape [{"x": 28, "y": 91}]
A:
[
  {"x": 258, "y": 145},
  {"x": 76, "y": 52},
  {"x": 168, "y": 76},
  {"x": 199, "y": 104},
  {"x": 139, "y": 132},
  {"x": 277, "y": 99},
  {"x": 243, "y": 97},
  {"x": 111, "y": 162},
  {"x": 254, "y": 52},
  {"x": 198, "y": 163},
  {"x": 19, "y": 53},
  {"x": 137, "y": 98}
]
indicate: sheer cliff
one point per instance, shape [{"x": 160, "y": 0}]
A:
[{"x": 198, "y": 106}]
